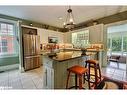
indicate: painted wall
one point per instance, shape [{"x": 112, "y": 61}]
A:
[{"x": 9, "y": 60}]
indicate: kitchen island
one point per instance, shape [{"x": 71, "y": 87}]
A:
[{"x": 55, "y": 67}]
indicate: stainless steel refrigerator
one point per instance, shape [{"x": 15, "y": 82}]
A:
[{"x": 31, "y": 50}]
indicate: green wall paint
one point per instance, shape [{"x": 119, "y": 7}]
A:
[
  {"x": 34, "y": 24},
  {"x": 9, "y": 61}
]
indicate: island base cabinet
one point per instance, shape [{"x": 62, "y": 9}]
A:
[
  {"x": 48, "y": 78},
  {"x": 55, "y": 72}
]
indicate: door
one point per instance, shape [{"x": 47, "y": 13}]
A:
[
  {"x": 48, "y": 77},
  {"x": 117, "y": 45}
]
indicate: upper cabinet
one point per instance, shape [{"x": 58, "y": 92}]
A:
[
  {"x": 60, "y": 37},
  {"x": 67, "y": 37},
  {"x": 80, "y": 39},
  {"x": 44, "y": 34},
  {"x": 96, "y": 34}
]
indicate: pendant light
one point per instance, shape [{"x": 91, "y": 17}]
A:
[{"x": 69, "y": 23}]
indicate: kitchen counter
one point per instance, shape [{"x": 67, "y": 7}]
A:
[
  {"x": 67, "y": 55},
  {"x": 55, "y": 66}
]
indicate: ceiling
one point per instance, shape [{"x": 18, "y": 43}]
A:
[{"x": 50, "y": 14}]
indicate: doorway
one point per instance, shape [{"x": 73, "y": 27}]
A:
[
  {"x": 117, "y": 46},
  {"x": 116, "y": 40}
]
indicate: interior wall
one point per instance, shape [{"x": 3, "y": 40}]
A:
[{"x": 9, "y": 60}]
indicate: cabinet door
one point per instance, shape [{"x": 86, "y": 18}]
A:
[
  {"x": 45, "y": 77},
  {"x": 48, "y": 77},
  {"x": 96, "y": 34},
  {"x": 67, "y": 37},
  {"x": 43, "y": 35}
]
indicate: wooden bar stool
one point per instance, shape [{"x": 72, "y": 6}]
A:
[
  {"x": 96, "y": 75},
  {"x": 79, "y": 71}
]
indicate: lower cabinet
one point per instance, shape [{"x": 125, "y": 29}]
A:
[
  {"x": 48, "y": 77},
  {"x": 32, "y": 62}
]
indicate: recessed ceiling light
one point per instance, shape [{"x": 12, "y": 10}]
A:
[{"x": 60, "y": 18}]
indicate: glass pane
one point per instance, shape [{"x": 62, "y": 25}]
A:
[
  {"x": 116, "y": 43},
  {"x": 108, "y": 43},
  {"x": 80, "y": 39},
  {"x": 125, "y": 44},
  {"x": 7, "y": 42},
  {"x": 10, "y": 27},
  {"x": 4, "y": 42},
  {"x": 10, "y": 32},
  {"x": 4, "y": 49},
  {"x": 3, "y": 26}
]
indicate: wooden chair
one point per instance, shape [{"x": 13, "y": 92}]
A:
[{"x": 114, "y": 58}]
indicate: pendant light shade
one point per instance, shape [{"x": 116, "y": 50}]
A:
[{"x": 69, "y": 23}]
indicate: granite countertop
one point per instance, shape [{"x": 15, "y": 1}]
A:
[{"x": 67, "y": 55}]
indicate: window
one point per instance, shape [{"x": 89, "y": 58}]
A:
[
  {"x": 118, "y": 39},
  {"x": 7, "y": 38},
  {"x": 108, "y": 43},
  {"x": 116, "y": 43},
  {"x": 4, "y": 45},
  {"x": 125, "y": 43}
]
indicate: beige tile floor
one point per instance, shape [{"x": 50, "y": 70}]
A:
[
  {"x": 115, "y": 72},
  {"x": 33, "y": 79}
]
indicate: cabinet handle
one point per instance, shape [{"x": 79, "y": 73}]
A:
[{"x": 46, "y": 76}]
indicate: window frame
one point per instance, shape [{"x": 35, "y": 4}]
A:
[
  {"x": 9, "y": 35},
  {"x": 122, "y": 44}
]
